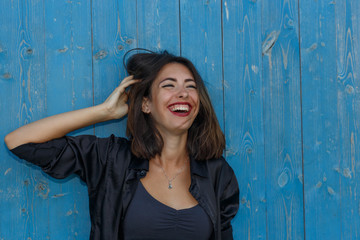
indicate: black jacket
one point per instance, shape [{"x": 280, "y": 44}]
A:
[{"x": 112, "y": 172}]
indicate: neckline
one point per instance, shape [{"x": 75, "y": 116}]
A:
[{"x": 163, "y": 204}]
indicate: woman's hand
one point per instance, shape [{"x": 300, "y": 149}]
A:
[{"x": 116, "y": 102}]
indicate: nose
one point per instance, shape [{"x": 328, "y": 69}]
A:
[{"x": 183, "y": 93}]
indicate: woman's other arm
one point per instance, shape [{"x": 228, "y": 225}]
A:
[{"x": 56, "y": 126}]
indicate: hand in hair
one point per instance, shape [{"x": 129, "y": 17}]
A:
[
  {"x": 116, "y": 103},
  {"x": 61, "y": 124}
]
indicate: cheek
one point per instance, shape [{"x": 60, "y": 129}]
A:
[
  {"x": 158, "y": 103},
  {"x": 196, "y": 99}
]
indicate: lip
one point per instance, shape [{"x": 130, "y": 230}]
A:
[{"x": 180, "y": 114}]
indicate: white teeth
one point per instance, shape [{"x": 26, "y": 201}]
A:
[{"x": 184, "y": 108}]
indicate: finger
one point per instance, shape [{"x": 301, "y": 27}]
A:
[
  {"x": 121, "y": 89},
  {"x": 128, "y": 78},
  {"x": 127, "y": 83}
]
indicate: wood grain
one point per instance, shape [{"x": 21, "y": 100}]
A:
[
  {"x": 282, "y": 120},
  {"x": 69, "y": 87},
  {"x": 158, "y": 25},
  {"x": 244, "y": 113},
  {"x": 12, "y": 192},
  {"x": 114, "y": 33},
  {"x": 283, "y": 76},
  {"x": 201, "y": 42},
  {"x": 348, "y": 105},
  {"x": 320, "y": 120},
  {"x": 23, "y": 49}
]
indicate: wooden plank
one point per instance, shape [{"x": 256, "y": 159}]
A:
[
  {"x": 244, "y": 113},
  {"x": 11, "y": 171},
  {"x": 348, "y": 114},
  {"x": 320, "y": 118},
  {"x": 158, "y": 25},
  {"x": 201, "y": 42},
  {"x": 69, "y": 87},
  {"x": 114, "y": 33},
  {"x": 282, "y": 120},
  {"x": 24, "y": 75}
]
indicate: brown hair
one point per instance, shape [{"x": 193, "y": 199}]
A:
[{"x": 205, "y": 138}]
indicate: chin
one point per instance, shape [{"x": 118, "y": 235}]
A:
[{"x": 179, "y": 130}]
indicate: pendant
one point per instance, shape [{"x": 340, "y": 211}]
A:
[{"x": 170, "y": 185}]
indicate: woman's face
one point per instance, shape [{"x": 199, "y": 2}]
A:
[{"x": 174, "y": 102}]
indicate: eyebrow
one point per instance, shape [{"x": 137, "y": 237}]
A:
[{"x": 174, "y": 80}]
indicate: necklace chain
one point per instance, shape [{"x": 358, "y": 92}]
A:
[{"x": 170, "y": 180}]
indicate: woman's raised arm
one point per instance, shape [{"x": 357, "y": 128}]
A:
[{"x": 56, "y": 126}]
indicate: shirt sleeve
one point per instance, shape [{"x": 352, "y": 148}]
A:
[
  {"x": 84, "y": 155},
  {"x": 229, "y": 203}
]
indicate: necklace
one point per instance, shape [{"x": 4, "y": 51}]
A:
[{"x": 170, "y": 180}]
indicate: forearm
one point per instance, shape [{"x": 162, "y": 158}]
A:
[{"x": 57, "y": 126}]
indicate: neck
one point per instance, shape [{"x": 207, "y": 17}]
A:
[{"x": 174, "y": 151}]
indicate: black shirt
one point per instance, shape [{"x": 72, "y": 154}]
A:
[{"x": 112, "y": 172}]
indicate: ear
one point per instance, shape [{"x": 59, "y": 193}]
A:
[{"x": 145, "y": 105}]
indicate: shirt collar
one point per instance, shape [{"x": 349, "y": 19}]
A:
[
  {"x": 139, "y": 164},
  {"x": 198, "y": 167}
]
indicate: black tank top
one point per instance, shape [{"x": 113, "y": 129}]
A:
[{"x": 147, "y": 218}]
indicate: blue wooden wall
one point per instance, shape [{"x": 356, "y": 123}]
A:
[{"x": 283, "y": 76}]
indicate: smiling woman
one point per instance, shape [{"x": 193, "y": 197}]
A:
[
  {"x": 205, "y": 138},
  {"x": 170, "y": 167}
]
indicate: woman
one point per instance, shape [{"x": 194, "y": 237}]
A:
[{"x": 168, "y": 181}]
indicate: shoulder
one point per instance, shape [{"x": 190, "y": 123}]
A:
[
  {"x": 216, "y": 169},
  {"x": 219, "y": 166},
  {"x": 118, "y": 141},
  {"x": 221, "y": 174},
  {"x": 104, "y": 147},
  {"x": 114, "y": 147}
]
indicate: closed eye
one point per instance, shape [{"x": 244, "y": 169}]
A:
[
  {"x": 167, "y": 85},
  {"x": 192, "y": 86}
]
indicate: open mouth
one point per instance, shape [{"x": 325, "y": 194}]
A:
[{"x": 180, "y": 108}]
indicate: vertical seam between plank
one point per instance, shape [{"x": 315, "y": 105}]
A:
[
  {"x": 137, "y": 24},
  {"x": 45, "y": 62},
  {"x": 92, "y": 54},
  {"x": 263, "y": 123},
  {"x": 45, "y": 80},
  {"x": 301, "y": 122},
  {"x": 222, "y": 69},
  {"x": 337, "y": 75},
  {"x": 180, "y": 26}
]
